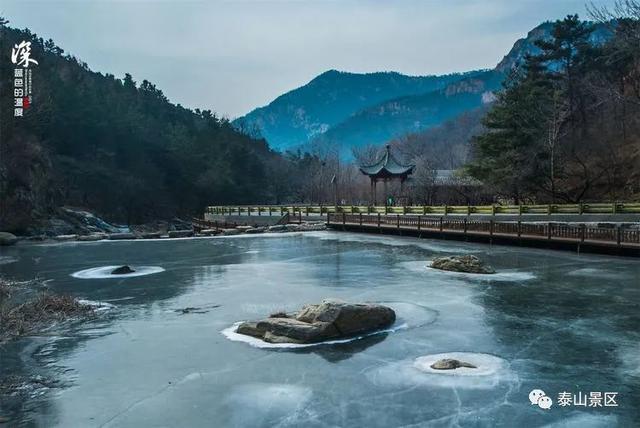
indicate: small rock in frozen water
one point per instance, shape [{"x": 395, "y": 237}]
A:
[
  {"x": 122, "y": 270},
  {"x": 316, "y": 323},
  {"x": 451, "y": 364},
  {"x": 466, "y": 263}
]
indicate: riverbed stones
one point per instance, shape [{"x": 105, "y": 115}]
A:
[
  {"x": 122, "y": 235},
  {"x": 466, "y": 263},
  {"x": 66, "y": 237},
  {"x": 180, "y": 233},
  {"x": 229, "y": 232},
  {"x": 122, "y": 270},
  {"x": 92, "y": 237},
  {"x": 151, "y": 235},
  {"x": 328, "y": 320},
  {"x": 7, "y": 239},
  {"x": 451, "y": 364},
  {"x": 256, "y": 230}
]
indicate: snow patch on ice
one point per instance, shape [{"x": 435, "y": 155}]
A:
[
  {"x": 491, "y": 372},
  {"x": 104, "y": 272},
  {"x": 97, "y": 306}
]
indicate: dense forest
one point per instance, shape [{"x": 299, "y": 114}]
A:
[
  {"x": 119, "y": 148},
  {"x": 566, "y": 126}
]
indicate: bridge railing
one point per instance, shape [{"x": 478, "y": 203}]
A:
[
  {"x": 547, "y": 230},
  {"x": 315, "y": 210}
]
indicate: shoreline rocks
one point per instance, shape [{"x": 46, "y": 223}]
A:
[
  {"x": 7, "y": 239},
  {"x": 180, "y": 233},
  {"x": 466, "y": 264},
  {"x": 329, "y": 320}
]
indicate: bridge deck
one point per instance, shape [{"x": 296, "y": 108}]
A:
[{"x": 618, "y": 240}]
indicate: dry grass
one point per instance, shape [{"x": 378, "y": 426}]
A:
[{"x": 39, "y": 313}]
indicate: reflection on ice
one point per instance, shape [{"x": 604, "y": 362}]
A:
[
  {"x": 594, "y": 272},
  {"x": 5, "y": 260},
  {"x": 265, "y": 404},
  {"x": 492, "y": 371},
  {"x": 105, "y": 272},
  {"x": 585, "y": 420},
  {"x": 394, "y": 241}
]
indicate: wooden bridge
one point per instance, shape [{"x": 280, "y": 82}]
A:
[
  {"x": 610, "y": 240},
  {"x": 322, "y": 210}
]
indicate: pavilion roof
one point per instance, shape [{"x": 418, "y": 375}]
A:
[{"x": 387, "y": 165}]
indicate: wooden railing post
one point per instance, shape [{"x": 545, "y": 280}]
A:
[
  {"x": 344, "y": 218},
  {"x": 360, "y": 219},
  {"x": 465, "y": 225},
  {"x": 378, "y": 220},
  {"x": 618, "y": 234},
  {"x": 519, "y": 228},
  {"x": 441, "y": 224},
  {"x": 583, "y": 230},
  {"x": 490, "y": 227},
  {"x": 419, "y": 222},
  {"x": 549, "y": 230}
]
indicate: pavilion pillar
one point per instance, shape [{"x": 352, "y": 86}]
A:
[{"x": 386, "y": 193}]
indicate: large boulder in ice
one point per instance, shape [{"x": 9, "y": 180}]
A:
[
  {"x": 328, "y": 320},
  {"x": 466, "y": 263},
  {"x": 7, "y": 239}
]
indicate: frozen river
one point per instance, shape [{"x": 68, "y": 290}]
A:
[{"x": 554, "y": 321}]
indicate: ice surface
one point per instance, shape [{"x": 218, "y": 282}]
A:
[
  {"x": 5, "y": 260},
  {"x": 262, "y": 404},
  {"x": 145, "y": 366},
  {"x": 104, "y": 272}
]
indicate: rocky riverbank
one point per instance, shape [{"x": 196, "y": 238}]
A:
[{"x": 79, "y": 225}]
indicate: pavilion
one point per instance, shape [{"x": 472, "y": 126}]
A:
[{"x": 385, "y": 169}]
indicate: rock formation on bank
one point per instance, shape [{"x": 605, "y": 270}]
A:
[
  {"x": 328, "y": 320},
  {"x": 466, "y": 263}
]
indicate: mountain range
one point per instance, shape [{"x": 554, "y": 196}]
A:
[{"x": 350, "y": 110}]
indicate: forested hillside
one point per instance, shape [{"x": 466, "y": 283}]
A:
[
  {"x": 295, "y": 118},
  {"x": 566, "y": 126},
  {"x": 115, "y": 146}
]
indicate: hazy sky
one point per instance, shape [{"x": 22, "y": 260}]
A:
[{"x": 233, "y": 56}]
